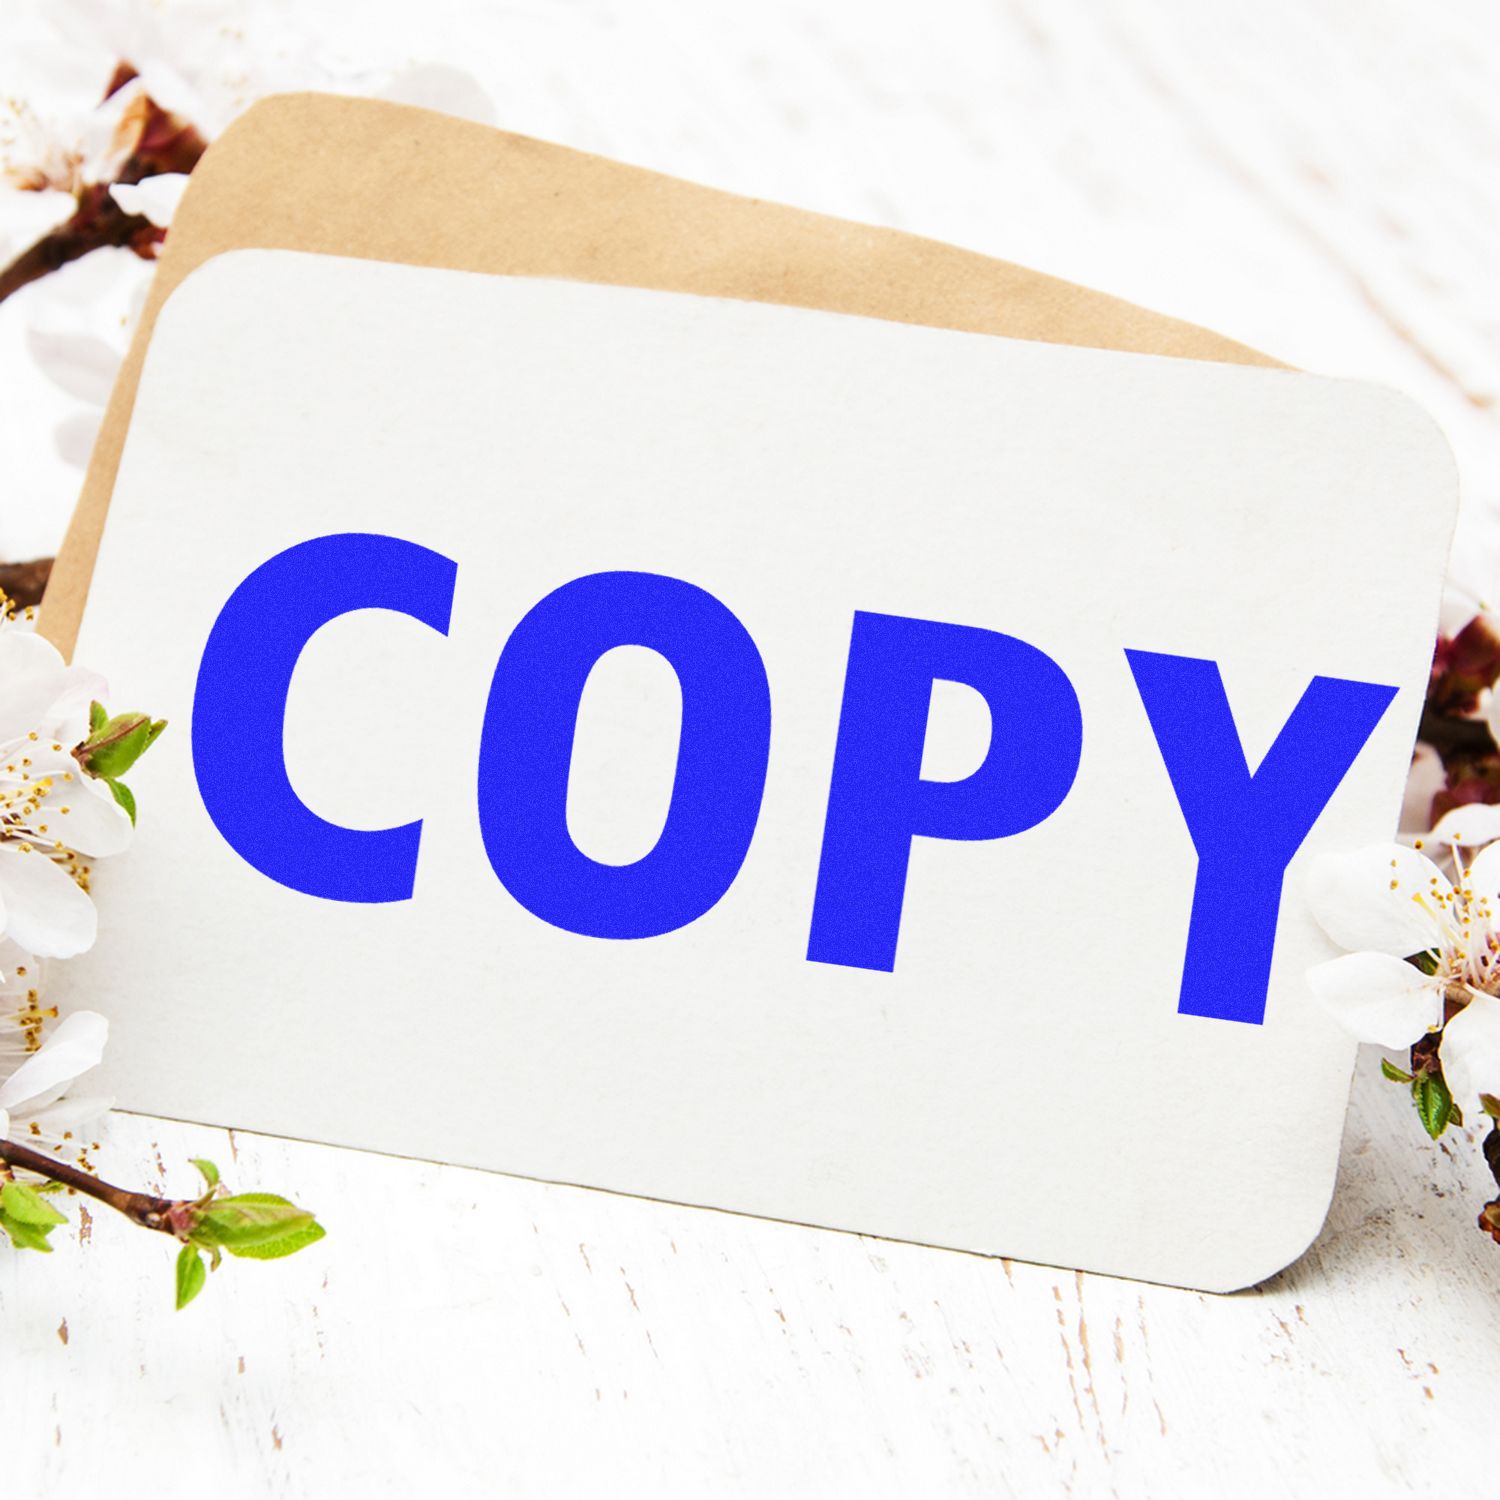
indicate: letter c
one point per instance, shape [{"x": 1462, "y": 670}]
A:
[{"x": 239, "y": 710}]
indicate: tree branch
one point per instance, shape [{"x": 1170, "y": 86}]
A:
[
  {"x": 162, "y": 1214},
  {"x": 99, "y": 222},
  {"x": 24, "y": 583}
]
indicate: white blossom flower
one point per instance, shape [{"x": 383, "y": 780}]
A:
[
  {"x": 34, "y": 1103},
  {"x": 196, "y": 58},
  {"x": 198, "y": 62},
  {"x": 64, "y": 151},
  {"x": 51, "y": 812},
  {"x": 1389, "y": 903},
  {"x": 78, "y": 333}
]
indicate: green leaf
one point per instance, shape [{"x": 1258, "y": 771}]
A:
[
  {"x": 25, "y": 1236},
  {"x": 1392, "y": 1072},
  {"x": 289, "y": 1244},
  {"x": 1434, "y": 1103},
  {"x": 1490, "y": 1105},
  {"x": 250, "y": 1220},
  {"x": 98, "y": 717},
  {"x": 191, "y": 1275},
  {"x": 23, "y": 1203},
  {"x": 156, "y": 732},
  {"x": 123, "y": 795},
  {"x": 113, "y": 750},
  {"x": 208, "y": 1169},
  {"x": 1427, "y": 962},
  {"x": 26, "y": 1217}
]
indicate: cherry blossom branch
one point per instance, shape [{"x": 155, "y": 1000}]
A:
[
  {"x": 162, "y": 143},
  {"x": 98, "y": 224},
  {"x": 163, "y": 1214},
  {"x": 257, "y": 1226}
]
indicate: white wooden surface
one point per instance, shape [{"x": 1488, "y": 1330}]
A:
[{"x": 1314, "y": 176}]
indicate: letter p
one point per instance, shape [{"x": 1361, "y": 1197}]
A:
[{"x": 878, "y": 801}]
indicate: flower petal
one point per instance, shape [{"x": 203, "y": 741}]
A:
[
  {"x": 94, "y": 823},
  {"x": 446, "y": 89},
  {"x": 1470, "y": 1051},
  {"x": 1469, "y": 826},
  {"x": 74, "y": 437},
  {"x": 76, "y": 1046},
  {"x": 79, "y": 363},
  {"x": 1423, "y": 782},
  {"x": 32, "y": 678},
  {"x": 44, "y": 910},
  {"x": 111, "y": 132},
  {"x": 1378, "y": 998},
  {"x": 156, "y": 198},
  {"x": 70, "y": 1116},
  {"x": 1382, "y": 899},
  {"x": 68, "y": 716}
]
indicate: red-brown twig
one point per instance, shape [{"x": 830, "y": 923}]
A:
[{"x": 163, "y": 1214}]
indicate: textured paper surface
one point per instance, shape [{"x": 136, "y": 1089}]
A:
[
  {"x": 1021, "y": 1083},
  {"x": 358, "y": 177}
]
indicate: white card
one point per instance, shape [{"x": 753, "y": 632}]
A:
[{"x": 985, "y": 1049}]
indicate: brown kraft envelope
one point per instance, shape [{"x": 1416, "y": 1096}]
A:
[{"x": 363, "y": 178}]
